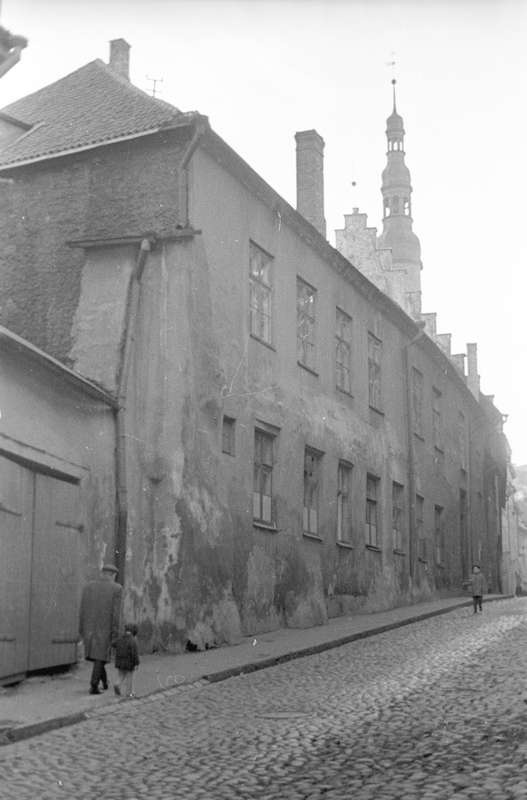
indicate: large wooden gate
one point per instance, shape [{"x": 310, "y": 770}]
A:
[{"x": 39, "y": 569}]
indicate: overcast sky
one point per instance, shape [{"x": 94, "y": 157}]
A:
[{"x": 261, "y": 70}]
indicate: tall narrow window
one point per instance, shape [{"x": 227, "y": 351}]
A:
[
  {"x": 438, "y": 534},
  {"x": 312, "y": 463},
  {"x": 420, "y": 527},
  {"x": 344, "y": 503},
  {"x": 260, "y": 292},
  {"x": 227, "y": 435},
  {"x": 372, "y": 511},
  {"x": 436, "y": 419},
  {"x": 397, "y": 516},
  {"x": 263, "y": 477},
  {"x": 374, "y": 371},
  {"x": 417, "y": 401},
  {"x": 305, "y": 323},
  {"x": 343, "y": 351}
]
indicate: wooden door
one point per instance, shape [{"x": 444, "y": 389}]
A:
[
  {"x": 55, "y": 573},
  {"x": 16, "y": 519}
]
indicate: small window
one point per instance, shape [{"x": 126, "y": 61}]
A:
[
  {"x": 343, "y": 351},
  {"x": 344, "y": 502},
  {"x": 438, "y": 535},
  {"x": 420, "y": 527},
  {"x": 397, "y": 516},
  {"x": 260, "y": 293},
  {"x": 374, "y": 371},
  {"x": 305, "y": 323},
  {"x": 228, "y": 435},
  {"x": 417, "y": 401},
  {"x": 263, "y": 477},
  {"x": 372, "y": 521},
  {"x": 312, "y": 465}
]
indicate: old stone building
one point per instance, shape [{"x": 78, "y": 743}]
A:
[{"x": 293, "y": 438}]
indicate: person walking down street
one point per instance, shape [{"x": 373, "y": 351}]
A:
[
  {"x": 126, "y": 661},
  {"x": 100, "y": 616},
  {"x": 479, "y": 587}
]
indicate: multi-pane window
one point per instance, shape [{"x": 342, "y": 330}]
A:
[
  {"x": 344, "y": 502},
  {"x": 227, "y": 435},
  {"x": 312, "y": 464},
  {"x": 436, "y": 418},
  {"x": 420, "y": 527},
  {"x": 263, "y": 477},
  {"x": 417, "y": 401},
  {"x": 372, "y": 511},
  {"x": 260, "y": 292},
  {"x": 438, "y": 534},
  {"x": 343, "y": 351},
  {"x": 374, "y": 371},
  {"x": 397, "y": 516},
  {"x": 305, "y": 323}
]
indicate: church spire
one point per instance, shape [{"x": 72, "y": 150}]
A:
[{"x": 397, "y": 217}]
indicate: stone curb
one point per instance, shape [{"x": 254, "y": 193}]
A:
[{"x": 12, "y": 735}]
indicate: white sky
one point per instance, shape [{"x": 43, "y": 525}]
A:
[{"x": 263, "y": 69}]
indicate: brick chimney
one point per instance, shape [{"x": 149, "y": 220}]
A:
[
  {"x": 472, "y": 361},
  {"x": 120, "y": 57},
  {"x": 310, "y": 178}
]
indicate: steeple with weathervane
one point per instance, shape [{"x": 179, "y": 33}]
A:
[{"x": 397, "y": 233}]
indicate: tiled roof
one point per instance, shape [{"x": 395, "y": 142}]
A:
[{"x": 91, "y": 106}]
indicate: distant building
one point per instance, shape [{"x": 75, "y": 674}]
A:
[{"x": 291, "y": 443}]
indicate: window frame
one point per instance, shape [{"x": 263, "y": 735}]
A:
[
  {"x": 398, "y": 510},
  {"x": 372, "y": 508},
  {"x": 437, "y": 423},
  {"x": 374, "y": 371},
  {"x": 261, "y": 313},
  {"x": 231, "y": 428},
  {"x": 346, "y": 345},
  {"x": 417, "y": 402},
  {"x": 311, "y": 511},
  {"x": 344, "y": 502},
  {"x": 420, "y": 528},
  {"x": 306, "y": 358},
  {"x": 263, "y": 471}
]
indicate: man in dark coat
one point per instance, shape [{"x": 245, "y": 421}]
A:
[{"x": 100, "y": 616}]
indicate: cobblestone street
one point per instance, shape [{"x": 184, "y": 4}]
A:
[{"x": 432, "y": 710}]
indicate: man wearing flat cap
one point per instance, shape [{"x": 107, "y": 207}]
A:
[{"x": 100, "y": 616}]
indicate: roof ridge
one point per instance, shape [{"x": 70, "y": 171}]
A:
[
  {"x": 48, "y": 85},
  {"x": 127, "y": 84}
]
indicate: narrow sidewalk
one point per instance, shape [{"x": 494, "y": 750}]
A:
[{"x": 45, "y": 702}]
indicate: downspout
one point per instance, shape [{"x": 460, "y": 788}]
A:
[
  {"x": 130, "y": 320},
  {"x": 411, "y": 457},
  {"x": 200, "y": 128}
]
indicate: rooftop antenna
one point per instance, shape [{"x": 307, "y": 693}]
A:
[
  {"x": 154, "y": 82},
  {"x": 392, "y": 64}
]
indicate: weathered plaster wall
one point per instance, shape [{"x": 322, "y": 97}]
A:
[
  {"x": 112, "y": 191},
  {"x": 55, "y": 425}
]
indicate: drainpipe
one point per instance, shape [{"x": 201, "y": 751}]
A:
[
  {"x": 411, "y": 457},
  {"x": 200, "y": 128},
  {"x": 130, "y": 320}
]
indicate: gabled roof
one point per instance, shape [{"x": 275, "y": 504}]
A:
[{"x": 89, "y": 107}]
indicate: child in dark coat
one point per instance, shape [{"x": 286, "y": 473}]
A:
[{"x": 126, "y": 661}]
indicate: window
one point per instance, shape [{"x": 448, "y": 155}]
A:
[
  {"x": 417, "y": 401},
  {"x": 305, "y": 323},
  {"x": 312, "y": 463},
  {"x": 260, "y": 293},
  {"x": 374, "y": 371},
  {"x": 420, "y": 527},
  {"x": 372, "y": 522},
  {"x": 343, "y": 351},
  {"x": 344, "y": 502},
  {"x": 461, "y": 434},
  {"x": 438, "y": 534},
  {"x": 263, "y": 477},
  {"x": 397, "y": 516},
  {"x": 227, "y": 435},
  {"x": 436, "y": 418}
]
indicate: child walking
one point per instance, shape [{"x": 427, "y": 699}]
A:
[
  {"x": 126, "y": 661},
  {"x": 479, "y": 587}
]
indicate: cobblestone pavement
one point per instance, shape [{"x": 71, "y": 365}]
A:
[{"x": 432, "y": 710}]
